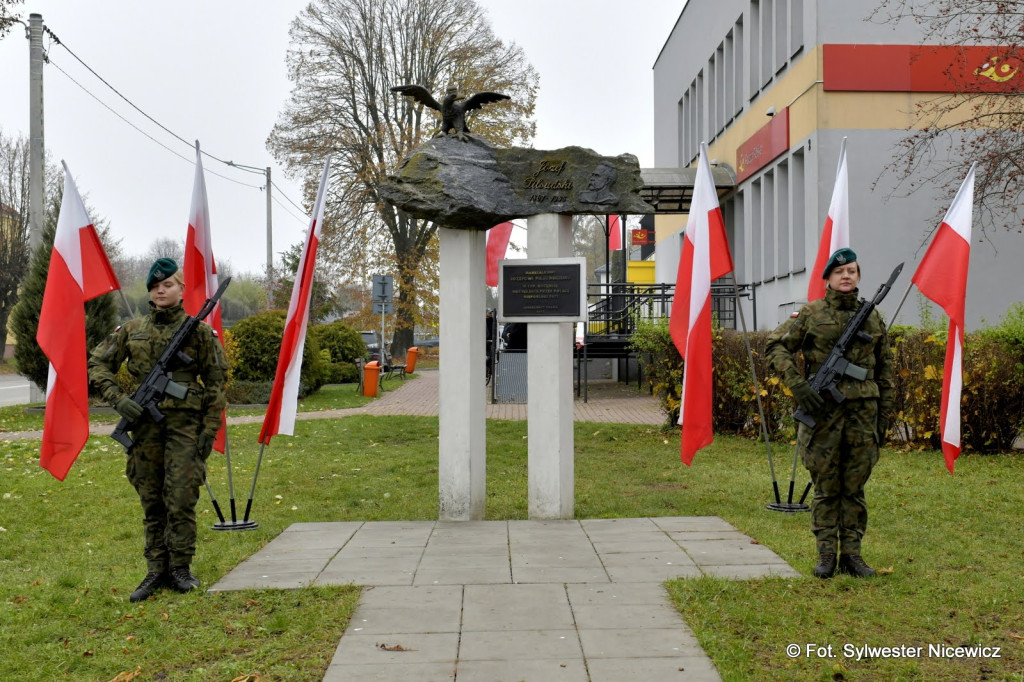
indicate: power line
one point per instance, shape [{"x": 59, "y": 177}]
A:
[
  {"x": 143, "y": 132},
  {"x": 304, "y": 221},
  {"x": 232, "y": 164}
]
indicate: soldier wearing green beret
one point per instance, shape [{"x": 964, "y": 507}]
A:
[
  {"x": 842, "y": 447},
  {"x": 167, "y": 463}
]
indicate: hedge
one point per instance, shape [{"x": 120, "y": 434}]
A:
[{"x": 993, "y": 395}]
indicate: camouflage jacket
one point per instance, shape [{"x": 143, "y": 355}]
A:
[
  {"x": 814, "y": 332},
  {"x": 139, "y": 343}
]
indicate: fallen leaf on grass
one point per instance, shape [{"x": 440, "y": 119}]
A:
[
  {"x": 251, "y": 677},
  {"x": 128, "y": 675},
  {"x": 884, "y": 571},
  {"x": 1015, "y": 636},
  {"x": 392, "y": 647}
]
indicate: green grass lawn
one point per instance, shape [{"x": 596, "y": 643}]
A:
[{"x": 951, "y": 547}]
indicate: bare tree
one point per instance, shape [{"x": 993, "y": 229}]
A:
[
  {"x": 954, "y": 130},
  {"x": 14, "y": 228},
  {"x": 345, "y": 56},
  {"x": 7, "y": 15}
]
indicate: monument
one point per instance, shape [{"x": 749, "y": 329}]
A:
[{"x": 466, "y": 186}]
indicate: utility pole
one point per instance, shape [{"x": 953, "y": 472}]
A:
[
  {"x": 35, "y": 114},
  {"x": 36, "y": 170},
  {"x": 270, "y": 248}
]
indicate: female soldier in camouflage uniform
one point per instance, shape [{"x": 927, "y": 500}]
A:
[
  {"x": 167, "y": 463},
  {"x": 842, "y": 447}
]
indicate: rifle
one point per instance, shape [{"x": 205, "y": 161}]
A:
[
  {"x": 836, "y": 366},
  {"x": 158, "y": 382}
]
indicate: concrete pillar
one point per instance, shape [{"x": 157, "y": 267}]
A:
[
  {"x": 462, "y": 454},
  {"x": 549, "y": 377}
]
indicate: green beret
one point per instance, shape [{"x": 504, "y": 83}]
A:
[
  {"x": 162, "y": 269},
  {"x": 840, "y": 257}
]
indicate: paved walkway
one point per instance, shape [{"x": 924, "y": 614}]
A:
[
  {"x": 531, "y": 601},
  {"x": 511, "y": 600}
]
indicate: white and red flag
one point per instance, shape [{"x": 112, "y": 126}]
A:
[
  {"x": 497, "y": 245},
  {"x": 200, "y": 270},
  {"x": 614, "y": 233},
  {"x": 79, "y": 271},
  {"x": 836, "y": 233},
  {"x": 705, "y": 258},
  {"x": 284, "y": 396},
  {"x": 942, "y": 277}
]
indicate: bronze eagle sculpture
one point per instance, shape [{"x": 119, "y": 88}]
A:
[{"x": 451, "y": 107}]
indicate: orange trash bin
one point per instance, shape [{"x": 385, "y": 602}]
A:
[
  {"x": 410, "y": 359},
  {"x": 371, "y": 377}
]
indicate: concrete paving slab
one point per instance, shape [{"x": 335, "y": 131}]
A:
[
  {"x": 651, "y": 573},
  {"x": 692, "y": 535},
  {"x": 649, "y": 643},
  {"x": 544, "y": 670},
  {"x": 669, "y": 669},
  {"x": 392, "y": 672},
  {"x": 392, "y": 534},
  {"x": 625, "y": 616},
  {"x": 458, "y": 575},
  {"x": 427, "y": 619},
  {"x": 554, "y": 574},
  {"x": 405, "y": 649},
  {"x": 728, "y": 552},
  {"x": 618, "y": 593},
  {"x": 281, "y": 580},
  {"x": 522, "y": 644},
  {"x": 388, "y": 596},
  {"x": 515, "y": 607},
  {"x": 650, "y": 542},
  {"x": 687, "y": 523}
]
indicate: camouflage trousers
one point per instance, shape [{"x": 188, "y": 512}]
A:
[
  {"x": 167, "y": 472},
  {"x": 840, "y": 452}
]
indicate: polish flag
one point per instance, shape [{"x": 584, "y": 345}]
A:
[
  {"x": 200, "y": 270},
  {"x": 284, "y": 396},
  {"x": 942, "y": 277},
  {"x": 497, "y": 245},
  {"x": 614, "y": 233},
  {"x": 705, "y": 258},
  {"x": 836, "y": 234},
  {"x": 79, "y": 271}
]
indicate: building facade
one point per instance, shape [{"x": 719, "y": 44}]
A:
[{"x": 773, "y": 87}]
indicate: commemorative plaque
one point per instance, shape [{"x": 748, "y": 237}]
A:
[{"x": 543, "y": 290}]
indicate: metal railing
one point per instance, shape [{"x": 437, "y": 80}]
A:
[{"x": 616, "y": 307}]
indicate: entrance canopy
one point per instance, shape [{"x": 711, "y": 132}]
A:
[{"x": 670, "y": 190}]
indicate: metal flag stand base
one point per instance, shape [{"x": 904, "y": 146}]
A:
[
  {"x": 790, "y": 507},
  {"x": 233, "y": 524}
]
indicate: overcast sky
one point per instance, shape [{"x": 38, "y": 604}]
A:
[{"x": 213, "y": 70}]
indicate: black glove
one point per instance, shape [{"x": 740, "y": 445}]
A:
[
  {"x": 204, "y": 444},
  {"x": 128, "y": 408},
  {"x": 806, "y": 397},
  {"x": 882, "y": 429}
]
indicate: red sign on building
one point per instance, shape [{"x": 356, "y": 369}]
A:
[
  {"x": 641, "y": 237},
  {"x": 923, "y": 68},
  {"x": 763, "y": 146}
]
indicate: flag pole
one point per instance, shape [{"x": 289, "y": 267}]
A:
[
  {"x": 213, "y": 499},
  {"x": 234, "y": 523},
  {"x": 900, "y": 306},
  {"x": 252, "y": 490},
  {"x": 757, "y": 396}
]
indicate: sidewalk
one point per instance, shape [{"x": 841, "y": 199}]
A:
[{"x": 511, "y": 600}]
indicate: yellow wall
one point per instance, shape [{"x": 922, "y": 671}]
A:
[{"x": 640, "y": 271}]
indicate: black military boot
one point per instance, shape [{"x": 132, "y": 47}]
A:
[
  {"x": 826, "y": 567},
  {"x": 182, "y": 579},
  {"x": 853, "y": 564},
  {"x": 153, "y": 581}
]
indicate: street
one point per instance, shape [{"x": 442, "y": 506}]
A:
[{"x": 13, "y": 390}]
